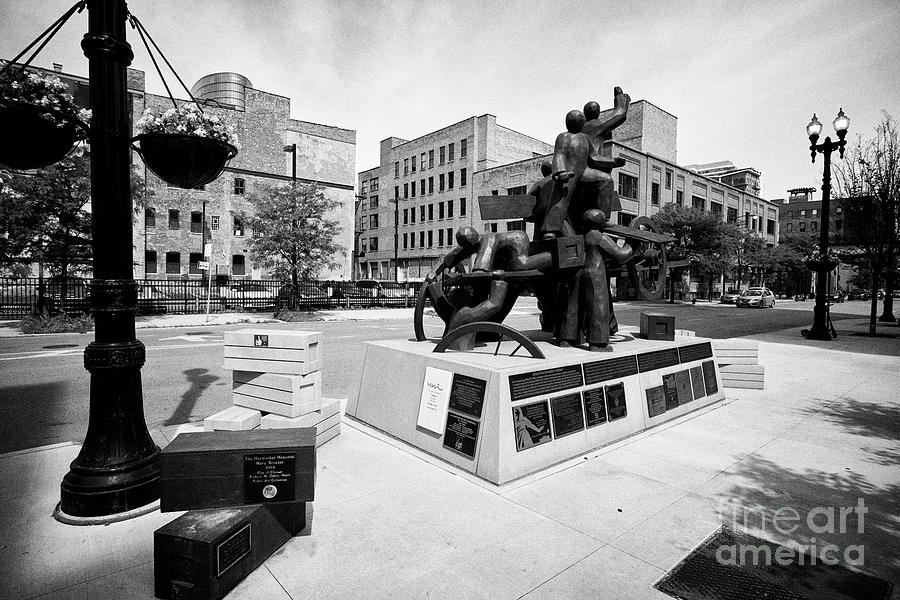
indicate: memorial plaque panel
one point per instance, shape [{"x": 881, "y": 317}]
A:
[
  {"x": 670, "y": 390},
  {"x": 613, "y": 368},
  {"x": 650, "y": 361},
  {"x": 683, "y": 385},
  {"x": 709, "y": 377},
  {"x": 233, "y": 549},
  {"x": 615, "y": 401},
  {"x": 656, "y": 401},
  {"x": 467, "y": 394},
  {"x": 269, "y": 477},
  {"x": 532, "y": 423},
  {"x": 547, "y": 381},
  {"x": 434, "y": 399},
  {"x": 260, "y": 340},
  {"x": 695, "y": 352},
  {"x": 461, "y": 434},
  {"x": 568, "y": 414},
  {"x": 594, "y": 406},
  {"x": 697, "y": 382}
]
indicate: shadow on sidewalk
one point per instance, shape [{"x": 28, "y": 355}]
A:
[{"x": 200, "y": 380}]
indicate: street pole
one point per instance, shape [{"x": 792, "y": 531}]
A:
[
  {"x": 397, "y": 240},
  {"x": 117, "y": 469}
]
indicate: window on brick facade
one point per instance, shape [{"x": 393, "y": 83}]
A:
[
  {"x": 450, "y": 180},
  {"x": 628, "y": 186},
  {"x": 373, "y": 202},
  {"x": 373, "y": 221},
  {"x": 442, "y": 151},
  {"x": 412, "y": 239},
  {"x": 413, "y": 163},
  {"x": 431, "y": 159},
  {"x": 373, "y": 244},
  {"x": 430, "y": 238},
  {"x": 150, "y": 261},
  {"x": 239, "y": 185},
  {"x": 173, "y": 263},
  {"x": 440, "y": 237},
  {"x": 770, "y": 227},
  {"x": 440, "y": 210},
  {"x": 654, "y": 193},
  {"x": 174, "y": 222},
  {"x": 194, "y": 259},
  {"x": 405, "y": 241},
  {"x": 449, "y": 236},
  {"x": 441, "y": 182},
  {"x": 422, "y": 187},
  {"x": 423, "y": 162},
  {"x": 715, "y": 208},
  {"x": 196, "y": 222},
  {"x": 373, "y": 184},
  {"x": 668, "y": 180},
  {"x": 406, "y": 216},
  {"x": 422, "y": 213},
  {"x": 519, "y": 190},
  {"x": 405, "y": 191},
  {"x": 431, "y": 212},
  {"x": 450, "y": 152},
  {"x": 412, "y": 215},
  {"x": 518, "y": 225},
  {"x": 624, "y": 218},
  {"x": 698, "y": 202},
  {"x": 462, "y": 178},
  {"x": 149, "y": 217},
  {"x": 449, "y": 209},
  {"x": 396, "y": 192},
  {"x": 803, "y": 226},
  {"x": 814, "y": 226},
  {"x": 421, "y": 239},
  {"x": 238, "y": 265},
  {"x": 463, "y": 150},
  {"x": 364, "y": 245},
  {"x": 412, "y": 189},
  {"x": 731, "y": 215},
  {"x": 679, "y": 197},
  {"x": 238, "y": 227},
  {"x": 789, "y": 227},
  {"x": 406, "y": 166},
  {"x": 462, "y": 207},
  {"x": 431, "y": 185}
]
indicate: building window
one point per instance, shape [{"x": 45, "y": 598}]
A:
[
  {"x": 150, "y": 261},
  {"x": 624, "y": 218},
  {"x": 440, "y": 237},
  {"x": 412, "y": 189},
  {"x": 654, "y": 193},
  {"x": 413, "y": 161},
  {"x": 462, "y": 178},
  {"x": 405, "y": 191},
  {"x": 412, "y": 215},
  {"x": 838, "y": 210},
  {"x": 462, "y": 207},
  {"x": 173, "y": 219},
  {"x": 442, "y": 155},
  {"x": 430, "y": 238},
  {"x": 628, "y": 186},
  {"x": 715, "y": 208},
  {"x": 405, "y": 241},
  {"x": 364, "y": 245},
  {"x": 373, "y": 184},
  {"x": 679, "y": 197},
  {"x": 515, "y": 225},
  {"x": 397, "y": 169},
  {"x": 802, "y": 213},
  {"x": 149, "y": 217},
  {"x": 770, "y": 227},
  {"x": 441, "y": 182},
  {"x": 463, "y": 150},
  {"x": 449, "y": 236},
  {"x": 238, "y": 266},
  {"x": 396, "y": 192},
  {"x": 373, "y": 202},
  {"x": 194, "y": 259},
  {"x": 431, "y": 212},
  {"x": 412, "y": 239},
  {"x": 239, "y": 186},
  {"x": 668, "y": 180},
  {"x": 450, "y": 152},
  {"x": 422, "y": 187},
  {"x": 431, "y": 185},
  {"x": 406, "y": 166},
  {"x": 238, "y": 227},
  {"x": 373, "y": 221},
  {"x": 196, "y": 222},
  {"x": 790, "y": 227},
  {"x": 449, "y": 209},
  {"x": 815, "y": 211},
  {"x": 422, "y": 213},
  {"x": 698, "y": 202},
  {"x": 421, "y": 239},
  {"x": 814, "y": 226},
  {"x": 731, "y": 216},
  {"x": 450, "y": 180},
  {"x": 431, "y": 159},
  {"x": 803, "y": 226},
  {"x": 519, "y": 190},
  {"x": 173, "y": 263},
  {"x": 422, "y": 166},
  {"x": 406, "y": 216},
  {"x": 373, "y": 244},
  {"x": 440, "y": 211}
]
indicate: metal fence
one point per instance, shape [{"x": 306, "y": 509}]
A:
[{"x": 21, "y": 297}]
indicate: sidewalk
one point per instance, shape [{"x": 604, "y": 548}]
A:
[{"x": 392, "y": 522}]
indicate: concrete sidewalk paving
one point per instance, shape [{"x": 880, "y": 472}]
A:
[{"x": 390, "y": 521}]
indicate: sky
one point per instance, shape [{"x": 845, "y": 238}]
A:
[{"x": 742, "y": 77}]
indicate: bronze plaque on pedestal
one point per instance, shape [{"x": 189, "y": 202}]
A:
[
  {"x": 568, "y": 414},
  {"x": 461, "y": 434},
  {"x": 532, "y": 423},
  {"x": 467, "y": 394},
  {"x": 594, "y": 406},
  {"x": 615, "y": 401},
  {"x": 656, "y": 401}
]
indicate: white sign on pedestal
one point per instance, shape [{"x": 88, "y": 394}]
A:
[{"x": 435, "y": 399}]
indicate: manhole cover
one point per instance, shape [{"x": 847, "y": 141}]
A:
[
  {"x": 57, "y": 346},
  {"x": 732, "y": 565}
]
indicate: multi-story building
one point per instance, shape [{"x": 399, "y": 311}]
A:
[
  {"x": 743, "y": 178},
  {"x": 170, "y": 235},
  {"x": 649, "y": 180}
]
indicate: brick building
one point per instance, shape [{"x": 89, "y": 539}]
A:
[{"x": 168, "y": 237}]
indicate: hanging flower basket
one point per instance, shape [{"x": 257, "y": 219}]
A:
[
  {"x": 821, "y": 264},
  {"x": 187, "y": 161}
]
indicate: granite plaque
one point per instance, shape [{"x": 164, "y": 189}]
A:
[
  {"x": 594, "y": 406},
  {"x": 709, "y": 377},
  {"x": 656, "y": 401},
  {"x": 269, "y": 477},
  {"x": 547, "y": 381},
  {"x": 613, "y": 368},
  {"x": 670, "y": 390},
  {"x": 697, "y": 382},
  {"x": 568, "y": 414},
  {"x": 467, "y": 394},
  {"x": 532, "y": 423},
  {"x": 461, "y": 434},
  {"x": 683, "y": 385},
  {"x": 650, "y": 361},
  {"x": 233, "y": 549},
  {"x": 615, "y": 401},
  {"x": 695, "y": 352}
]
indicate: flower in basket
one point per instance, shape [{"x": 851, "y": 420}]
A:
[
  {"x": 47, "y": 94},
  {"x": 187, "y": 119},
  {"x": 817, "y": 260}
]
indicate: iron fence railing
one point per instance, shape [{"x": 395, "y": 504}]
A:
[{"x": 21, "y": 297}]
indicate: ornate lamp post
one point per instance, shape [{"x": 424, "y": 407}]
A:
[
  {"x": 117, "y": 469},
  {"x": 823, "y": 265}
]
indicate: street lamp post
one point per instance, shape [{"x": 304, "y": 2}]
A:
[
  {"x": 117, "y": 469},
  {"x": 397, "y": 239},
  {"x": 821, "y": 329}
]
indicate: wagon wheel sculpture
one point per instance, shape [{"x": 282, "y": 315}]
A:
[{"x": 647, "y": 269}]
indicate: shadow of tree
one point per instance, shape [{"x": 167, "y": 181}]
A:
[
  {"x": 199, "y": 380},
  {"x": 868, "y": 420}
]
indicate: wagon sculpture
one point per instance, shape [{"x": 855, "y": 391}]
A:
[{"x": 569, "y": 263}]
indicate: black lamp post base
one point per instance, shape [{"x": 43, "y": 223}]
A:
[
  {"x": 821, "y": 329},
  {"x": 817, "y": 334},
  {"x": 106, "y": 491}
]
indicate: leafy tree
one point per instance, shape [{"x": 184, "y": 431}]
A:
[
  {"x": 292, "y": 234},
  {"x": 869, "y": 181}
]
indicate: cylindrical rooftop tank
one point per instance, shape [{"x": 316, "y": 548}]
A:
[{"x": 225, "y": 88}]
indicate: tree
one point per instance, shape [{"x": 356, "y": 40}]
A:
[
  {"x": 869, "y": 182},
  {"x": 292, "y": 234},
  {"x": 702, "y": 238}
]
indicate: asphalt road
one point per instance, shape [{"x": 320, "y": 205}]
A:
[{"x": 44, "y": 389}]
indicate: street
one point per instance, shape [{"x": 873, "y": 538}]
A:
[{"x": 44, "y": 388}]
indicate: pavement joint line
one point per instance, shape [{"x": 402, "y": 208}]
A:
[
  {"x": 551, "y": 578},
  {"x": 71, "y": 585},
  {"x": 38, "y": 449},
  {"x": 286, "y": 593}
]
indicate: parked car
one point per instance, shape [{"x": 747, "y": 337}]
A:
[
  {"x": 730, "y": 297},
  {"x": 835, "y": 297},
  {"x": 756, "y": 297},
  {"x": 306, "y": 295},
  {"x": 859, "y": 295},
  {"x": 248, "y": 294}
]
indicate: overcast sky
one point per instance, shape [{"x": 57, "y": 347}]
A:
[{"x": 743, "y": 78}]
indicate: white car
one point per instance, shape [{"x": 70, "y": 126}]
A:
[{"x": 757, "y": 297}]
